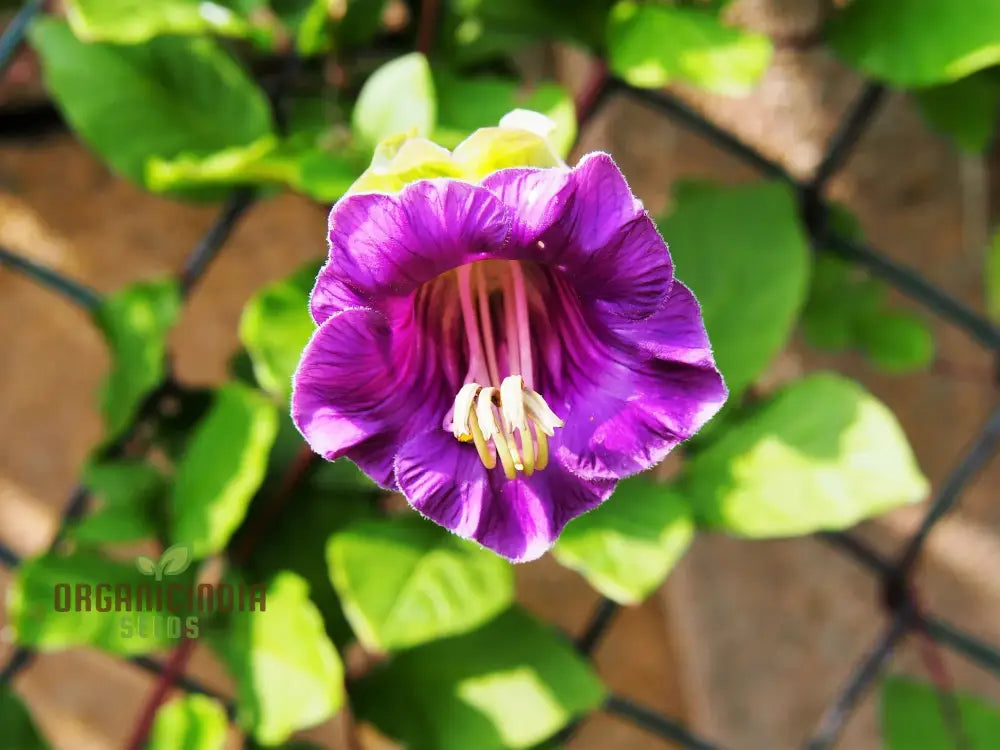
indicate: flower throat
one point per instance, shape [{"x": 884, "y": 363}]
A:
[{"x": 505, "y": 418}]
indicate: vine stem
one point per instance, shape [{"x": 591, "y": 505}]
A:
[
  {"x": 427, "y": 26},
  {"x": 177, "y": 662},
  {"x": 172, "y": 669}
]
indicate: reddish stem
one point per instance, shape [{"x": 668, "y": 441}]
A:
[
  {"x": 172, "y": 669},
  {"x": 300, "y": 464},
  {"x": 179, "y": 657},
  {"x": 427, "y": 27},
  {"x": 591, "y": 93}
]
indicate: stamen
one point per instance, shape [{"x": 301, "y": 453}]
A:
[
  {"x": 463, "y": 410},
  {"x": 477, "y": 362},
  {"x": 483, "y": 448},
  {"x": 527, "y": 450},
  {"x": 484, "y": 314},
  {"x": 538, "y": 410},
  {"x": 522, "y": 332},
  {"x": 512, "y": 400},
  {"x": 510, "y": 325},
  {"x": 491, "y": 429},
  {"x": 510, "y": 414},
  {"x": 543, "y": 446}
]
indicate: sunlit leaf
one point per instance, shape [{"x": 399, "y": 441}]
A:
[
  {"x": 626, "y": 547},
  {"x": 650, "y": 45},
  {"x": 170, "y": 96},
  {"x": 288, "y": 673},
  {"x": 404, "y": 581},
  {"x": 275, "y": 328},
  {"x": 510, "y": 684},
  {"x": 222, "y": 468},
  {"x": 750, "y": 271},
  {"x": 137, "y": 21},
  {"x": 135, "y": 321},
  {"x": 918, "y": 42},
  {"x": 822, "y": 454},
  {"x": 193, "y": 722}
]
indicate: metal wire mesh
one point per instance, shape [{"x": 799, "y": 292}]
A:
[{"x": 903, "y": 610}]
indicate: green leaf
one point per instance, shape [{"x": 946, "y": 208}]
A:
[
  {"x": 329, "y": 496},
  {"x": 403, "y": 581},
  {"x": 396, "y": 98},
  {"x": 258, "y": 162},
  {"x": 309, "y": 22},
  {"x": 32, "y": 605},
  {"x": 848, "y": 309},
  {"x": 626, "y": 547},
  {"x": 966, "y": 110},
  {"x": 297, "y": 542},
  {"x": 822, "y": 454},
  {"x": 918, "y": 42},
  {"x": 480, "y": 30},
  {"x": 308, "y": 168},
  {"x": 137, "y": 21},
  {"x": 326, "y": 176},
  {"x": 750, "y": 272},
  {"x": 128, "y": 492},
  {"x": 701, "y": 49},
  {"x": 18, "y": 729},
  {"x": 992, "y": 278},
  {"x": 193, "y": 722},
  {"x": 897, "y": 341},
  {"x": 510, "y": 684},
  {"x": 135, "y": 321},
  {"x": 169, "y": 96},
  {"x": 912, "y": 718},
  {"x": 222, "y": 468},
  {"x": 275, "y": 328},
  {"x": 288, "y": 673},
  {"x": 466, "y": 104}
]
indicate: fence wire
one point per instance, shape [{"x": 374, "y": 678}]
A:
[{"x": 902, "y": 607}]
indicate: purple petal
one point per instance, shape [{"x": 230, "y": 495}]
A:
[
  {"x": 644, "y": 403},
  {"x": 676, "y": 332},
  {"x": 388, "y": 245},
  {"x": 587, "y": 223},
  {"x": 445, "y": 481},
  {"x": 347, "y": 397},
  {"x": 634, "y": 418}
]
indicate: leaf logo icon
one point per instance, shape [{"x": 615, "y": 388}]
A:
[
  {"x": 174, "y": 561},
  {"x": 145, "y": 565}
]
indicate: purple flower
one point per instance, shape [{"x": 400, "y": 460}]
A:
[{"x": 503, "y": 352}]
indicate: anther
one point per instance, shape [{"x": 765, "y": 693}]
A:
[{"x": 492, "y": 429}]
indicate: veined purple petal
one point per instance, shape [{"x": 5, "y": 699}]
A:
[
  {"x": 348, "y": 400},
  {"x": 676, "y": 332},
  {"x": 657, "y": 385},
  {"x": 384, "y": 246},
  {"x": 587, "y": 222},
  {"x": 519, "y": 519}
]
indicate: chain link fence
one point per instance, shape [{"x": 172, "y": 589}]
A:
[{"x": 900, "y": 599}]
